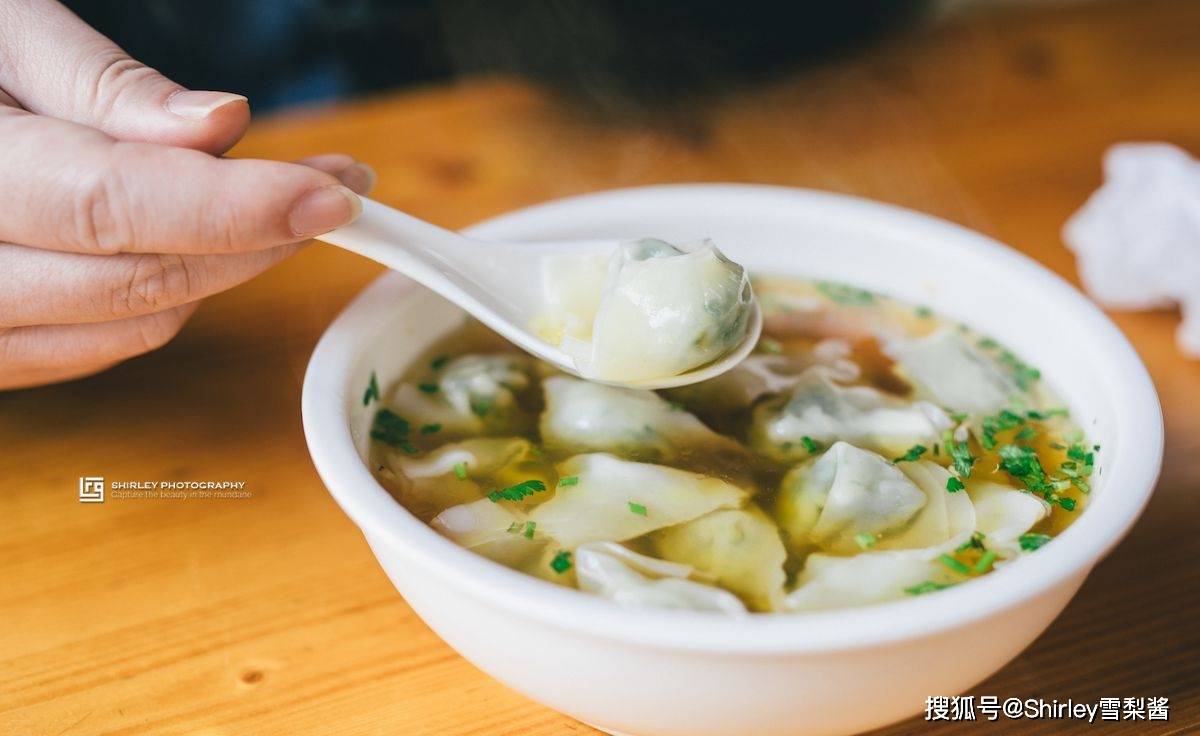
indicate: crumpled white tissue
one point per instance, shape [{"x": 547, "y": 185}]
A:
[{"x": 1137, "y": 238}]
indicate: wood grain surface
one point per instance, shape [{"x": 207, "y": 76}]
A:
[{"x": 268, "y": 615}]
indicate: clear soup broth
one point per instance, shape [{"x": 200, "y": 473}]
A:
[{"x": 868, "y": 450}]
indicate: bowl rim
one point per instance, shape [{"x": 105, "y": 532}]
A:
[{"x": 1072, "y": 554}]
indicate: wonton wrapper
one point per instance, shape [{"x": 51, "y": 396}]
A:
[
  {"x": 764, "y": 375},
  {"x": 479, "y": 384},
  {"x": 946, "y": 516},
  {"x": 597, "y": 507},
  {"x": 581, "y": 416},
  {"x": 483, "y": 527},
  {"x": 825, "y": 411},
  {"x": 1003, "y": 514},
  {"x": 477, "y": 394},
  {"x": 636, "y": 581},
  {"x": 849, "y": 491},
  {"x": 661, "y": 310},
  {"x": 497, "y": 531},
  {"x": 843, "y": 493},
  {"x": 646, "y": 564},
  {"x": 945, "y": 368},
  {"x": 573, "y": 285},
  {"x": 828, "y": 581},
  {"x": 902, "y": 561},
  {"x": 492, "y": 462},
  {"x": 420, "y": 408},
  {"x": 739, "y": 548}
]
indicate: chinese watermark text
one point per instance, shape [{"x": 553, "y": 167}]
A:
[{"x": 991, "y": 708}]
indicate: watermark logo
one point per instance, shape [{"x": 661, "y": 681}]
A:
[
  {"x": 990, "y": 707},
  {"x": 95, "y": 489},
  {"x": 91, "y": 489}
]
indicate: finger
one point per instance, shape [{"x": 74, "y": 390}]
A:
[
  {"x": 39, "y": 287},
  {"x": 357, "y": 176},
  {"x": 67, "y": 187},
  {"x": 56, "y": 348},
  {"x": 59, "y": 66}
]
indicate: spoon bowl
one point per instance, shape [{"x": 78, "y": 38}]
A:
[{"x": 498, "y": 283}]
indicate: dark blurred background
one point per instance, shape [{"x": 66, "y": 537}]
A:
[{"x": 617, "y": 58}]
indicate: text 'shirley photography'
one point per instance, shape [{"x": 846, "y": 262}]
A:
[
  {"x": 673, "y": 370},
  {"x": 95, "y": 489}
]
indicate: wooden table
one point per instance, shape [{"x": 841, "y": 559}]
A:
[{"x": 268, "y": 615}]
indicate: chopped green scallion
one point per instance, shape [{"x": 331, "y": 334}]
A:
[
  {"x": 985, "y": 562},
  {"x": 372, "y": 392},
  {"x": 912, "y": 455},
  {"x": 561, "y": 562},
  {"x": 1023, "y": 464},
  {"x": 975, "y": 542},
  {"x": 953, "y": 564},
  {"x": 845, "y": 294},
  {"x": 960, "y": 454},
  {"x": 1023, "y": 374},
  {"x": 517, "y": 491},
  {"x": 1033, "y": 542},
  {"x": 390, "y": 428},
  {"x": 928, "y": 586}
]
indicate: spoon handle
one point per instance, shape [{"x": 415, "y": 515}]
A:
[
  {"x": 402, "y": 242},
  {"x": 460, "y": 269}
]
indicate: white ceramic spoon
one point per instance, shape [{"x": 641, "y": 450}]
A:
[{"x": 497, "y": 283}]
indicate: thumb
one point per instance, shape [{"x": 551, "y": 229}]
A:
[{"x": 67, "y": 70}]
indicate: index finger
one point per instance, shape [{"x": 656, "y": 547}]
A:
[{"x": 69, "y": 187}]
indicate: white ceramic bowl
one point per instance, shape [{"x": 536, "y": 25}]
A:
[{"x": 677, "y": 673}]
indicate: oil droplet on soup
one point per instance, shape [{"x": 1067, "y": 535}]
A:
[{"x": 868, "y": 450}]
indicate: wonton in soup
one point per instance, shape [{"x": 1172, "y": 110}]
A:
[{"x": 869, "y": 450}]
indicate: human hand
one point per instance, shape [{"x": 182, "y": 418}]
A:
[{"x": 116, "y": 214}]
